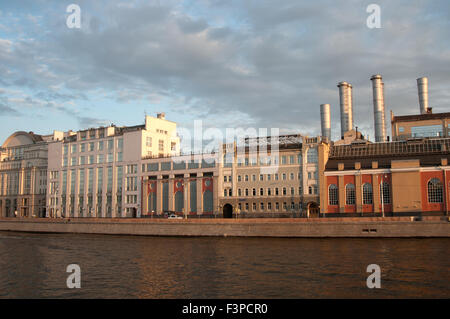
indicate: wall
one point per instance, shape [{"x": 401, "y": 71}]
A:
[{"x": 330, "y": 227}]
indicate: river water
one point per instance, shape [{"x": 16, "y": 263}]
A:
[{"x": 34, "y": 266}]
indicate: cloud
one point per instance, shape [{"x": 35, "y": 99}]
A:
[
  {"x": 8, "y": 111},
  {"x": 270, "y": 65}
]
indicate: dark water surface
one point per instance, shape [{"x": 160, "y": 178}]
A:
[{"x": 34, "y": 266}]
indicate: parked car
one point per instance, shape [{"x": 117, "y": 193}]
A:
[{"x": 173, "y": 216}]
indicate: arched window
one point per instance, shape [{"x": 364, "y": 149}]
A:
[
  {"x": 435, "y": 193},
  {"x": 385, "y": 193},
  {"x": 367, "y": 194},
  {"x": 333, "y": 196},
  {"x": 312, "y": 155},
  {"x": 350, "y": 194}
]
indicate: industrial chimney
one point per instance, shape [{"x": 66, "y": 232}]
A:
[
  {"x": 325, "y": 121},
  {"x": 422, "y": 86},
  {"x": 345, "y": 100},
  {"x": 378, "y": 108}
]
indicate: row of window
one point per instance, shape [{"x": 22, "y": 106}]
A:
[
  {"x": 228, "y": 192},
  {"x": 91, "y": 159},
  {"x": 90, "y": 147},
  {"x": 263, "y": 207},
  {"x": 435, "y": 193},
  {"x": 350, "y": 194},
  {"x": 268, "y": 177},
  {"x": 312, "y": 157}
]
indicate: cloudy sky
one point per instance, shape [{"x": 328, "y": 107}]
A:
[{"x": 229, "y": 63}]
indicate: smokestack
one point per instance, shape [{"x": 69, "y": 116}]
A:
[
  {"x": 422, "y": 86},
  {"x": 378, "y": 108},
  {"x": 325, "y": 121},
  {"x": 345, "y": 100}
]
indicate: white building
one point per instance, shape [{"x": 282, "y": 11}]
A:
[{"x": 95, "y": 172}]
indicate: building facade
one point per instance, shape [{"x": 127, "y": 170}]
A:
[
  {"x": 95, "y": 172},
  {"x": 23, "y": 175},
  {"x": 384, "y": 179},
  {"x": 236, "y": 180}
]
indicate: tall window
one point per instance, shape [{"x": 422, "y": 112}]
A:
[
  {"x": 350, "y": 194},
  {"x": 385, "y": 192},
  {"x": 367, "y": 194},
  {"x": 435, "y": 193},
  {"x": 312, "y": 155},
  {"x": 333, "y": 197}
]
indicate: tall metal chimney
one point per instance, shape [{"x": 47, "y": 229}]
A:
[
  {"x": 325, "y": 121},
  {"x": 422, "y": 86},
  {"x": 378, "y": 108},
  {"x": 345, "y": 101}
]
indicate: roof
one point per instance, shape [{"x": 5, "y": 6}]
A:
[{"x": 421, "y": 117}]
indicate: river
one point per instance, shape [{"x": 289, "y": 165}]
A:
[{"x": 34, "y": 266}]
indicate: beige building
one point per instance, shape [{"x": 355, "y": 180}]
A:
[
  {"x": 95, "y": 172},
  {"x": 236, "y": 180},
  {"x": 23, "y": 175}
]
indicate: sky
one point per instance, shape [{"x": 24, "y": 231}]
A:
[{"x": 231, "y": 64}]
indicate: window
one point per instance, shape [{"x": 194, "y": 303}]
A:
[
  {"x": 100, "y": 145},
  {"x": 239, "y": 178},
  {"x": 367, "y": 194},
  {"x": 350, "y": 194},
  {"x": 230, "y": 192},
  {"x": 120, "y": 156},
  {"x": 299, "y": 190},
  {"x": 161, "y": 145},
  {"x": 82, "y": 160},
  {"x": 261, "y": 191},
  {"x": 269, "y": 177},
  {"x": 82, "y": 147},
  {"x": 276, "y": 191},
  {"x": 284, "y": 176},
  {"x": 312, "y": 155},
  {"x": 91, "y": 159},
  {"x": 435, "y": 192},
  {"x": 385, "y": 192},
  {"x": 253, "y": 177},
  {"x": 254, "y": 206},
  {"x": 91, "y": 146},
  {"x": 276, "y": 177},
  {"x": 110, "y": 158},
  {"x": 333, "y": 197},
  {"x": 283, "y": 159},
  {"x": 284, "y": 191},
  {"x": 277, "y": 206},
  {"x": 73, "y": 148},
  {"x": 239, "y": 192},
  {"x": 246, "y": 206},
  {"x": 261, "y": 177},
  {"x": 65, "y": 149},
  {"x": 291, "y": 176},
  {"x": 254, "y": 191},
  {"x": 269, "y": 191},
  {"x": 100, "y": 158},
  {"x": 73, "y": 161},
  {"x": 269, "y": 206},
  {"x": 246, "y": 192},
  {"x": 149, "y": 141},
  {"x": 110, "y": 144},
  {"x": 292, "y": 191},
  {"x": 246, "y": 178},
  {"x": 120, "y": 143},
  {"x": 291, "y": 159},
  {"x": 261, "y": 205}
]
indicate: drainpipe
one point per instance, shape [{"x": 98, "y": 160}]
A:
[{"x": 446, "y": 192}]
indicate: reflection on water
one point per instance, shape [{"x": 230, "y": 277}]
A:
[{"x": 34, "y": 265}]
